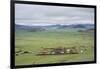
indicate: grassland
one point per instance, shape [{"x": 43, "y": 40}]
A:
[{"x": 33, "y": 41}]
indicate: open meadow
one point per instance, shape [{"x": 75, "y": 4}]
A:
[{"x": 28, "y": 44}]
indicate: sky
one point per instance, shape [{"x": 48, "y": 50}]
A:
[{"x": 26, "y": 14}]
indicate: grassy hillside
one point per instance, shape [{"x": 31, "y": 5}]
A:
[{"x": 33, "y": 41}]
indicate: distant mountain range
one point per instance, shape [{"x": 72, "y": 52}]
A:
[{"x": 53, "y": 27}]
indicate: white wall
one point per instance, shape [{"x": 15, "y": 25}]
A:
[{"x": 5, "y": 34}]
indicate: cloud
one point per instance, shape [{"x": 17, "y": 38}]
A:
[{"x": 42, "y": 14}]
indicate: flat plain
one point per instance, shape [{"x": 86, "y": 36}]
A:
[{"x": 28, "y": 44}]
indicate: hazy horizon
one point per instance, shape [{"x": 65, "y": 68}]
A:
[{"x": 46, "y": 24}]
